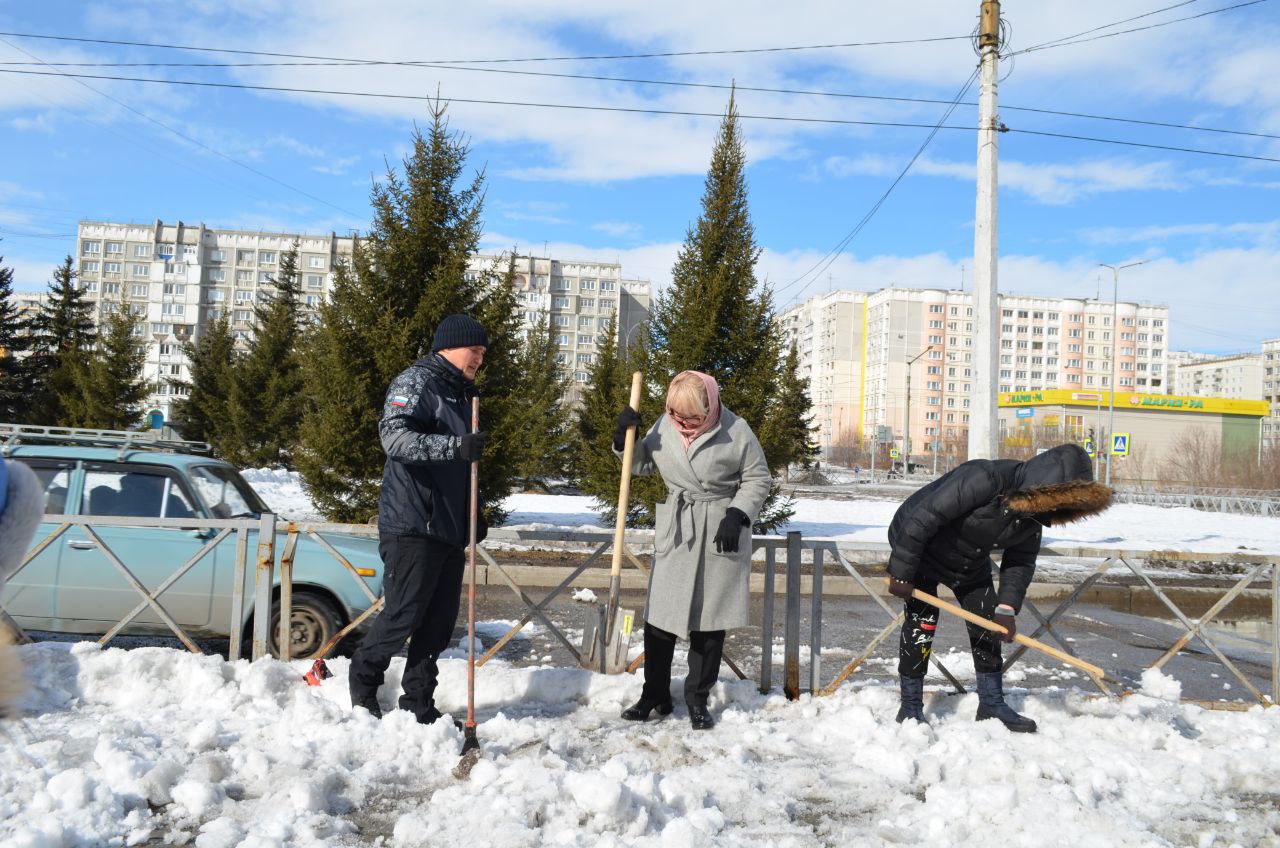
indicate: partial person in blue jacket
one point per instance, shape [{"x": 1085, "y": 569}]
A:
[
  {"x": 423, "y": 516},
  {"x": 21, "y": 507},
  {"x": 945, "y": 533}
]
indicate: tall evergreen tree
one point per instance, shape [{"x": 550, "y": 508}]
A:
[
  {"x": 203, "y": 414},
  {"x": 541, "y": 409},
  {"x": 62, "y": 334},
  {"x": 407, "y": 274},
  {"x": 717, "y": 317},
  {"x": 266, "y": 387},
  {"x": 109, "y": 388},
  {"x": 608, "y": 389},
  {"x": 14, "y": 340},
  {"x": 789, "y": 422}
]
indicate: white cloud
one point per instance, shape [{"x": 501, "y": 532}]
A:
[
  {"x": 1052, "y": 184},
  {"x": 1262, "y": 233},
  {"x": 619, "y": 229}
]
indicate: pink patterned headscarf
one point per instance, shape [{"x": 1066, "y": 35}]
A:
[{"x": 691, "y": 432}]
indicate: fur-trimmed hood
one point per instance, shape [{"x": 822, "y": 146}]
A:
[
  {"x": 1057, "y": 487},
  {"x": 1061, "y": 503}
]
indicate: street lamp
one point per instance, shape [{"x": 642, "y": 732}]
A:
[
  {"x": 1115, "y": 334},
  {"x": 906, "y": 436}
]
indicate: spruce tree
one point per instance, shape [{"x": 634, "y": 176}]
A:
[
  {"x": 266, "y": 387},
  {"x": 716, "y": 317},
  {"x": 595, "y": 467},
  {"x": 788, "y": 423},
  {"x": 109, "y": 388},
  {"x": 408, "y": 273},
  {"x": 203, "y": 414},
  {"x": 540, "y": 408},
  {"x": 63, "y": 333},
  {"x": 14, "y": 340}
]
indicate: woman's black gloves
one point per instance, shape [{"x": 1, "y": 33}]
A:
[
  {"x": 730, "y": 530},
  {"x": 628, "y": 417}
]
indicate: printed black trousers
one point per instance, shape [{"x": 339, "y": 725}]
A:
[{"x": 921, "y": 623}]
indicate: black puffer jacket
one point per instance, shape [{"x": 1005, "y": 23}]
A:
[
  {"x": 947, "y": 530},
  {"x": 426, "y": 485}
]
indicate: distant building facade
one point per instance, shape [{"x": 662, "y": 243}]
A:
[{"x": 855, "y": 348}]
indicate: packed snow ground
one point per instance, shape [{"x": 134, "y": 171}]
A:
[
  {"x": 1132, "y": 526},
  {"x": 158, "y": 746}
]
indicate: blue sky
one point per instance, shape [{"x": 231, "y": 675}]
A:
[{"x": 625, "y": 186}]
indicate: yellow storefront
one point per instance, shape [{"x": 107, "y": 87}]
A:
[{"x": 1148, "y": 427}]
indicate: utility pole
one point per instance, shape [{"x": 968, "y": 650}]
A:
[
  {"x": 986, "y": 301},
  {"x": 1115, "y": 334}
]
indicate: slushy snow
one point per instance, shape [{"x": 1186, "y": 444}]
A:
[{"x": 159, "y": 746}]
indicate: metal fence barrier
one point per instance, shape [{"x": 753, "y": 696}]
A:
[{"x": 799, "y": 581}]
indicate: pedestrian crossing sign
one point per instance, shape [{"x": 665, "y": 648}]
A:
[
  {"x": 1088, "y": 446},
  {"x": 1120, "y": 444},
  {"x": 893, "y": 453}
]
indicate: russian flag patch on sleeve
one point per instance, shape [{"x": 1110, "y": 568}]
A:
[{"x": 399, "y": 400}]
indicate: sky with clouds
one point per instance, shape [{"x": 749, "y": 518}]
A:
[{"x": 625, "y": 185}]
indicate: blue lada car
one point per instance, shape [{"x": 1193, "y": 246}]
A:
[{"x": 71, "y": 586}]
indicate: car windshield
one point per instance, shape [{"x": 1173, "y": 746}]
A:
[{"x": 226, "y": 493}]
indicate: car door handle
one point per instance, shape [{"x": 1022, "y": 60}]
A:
[{"x": 81, "y": 545}]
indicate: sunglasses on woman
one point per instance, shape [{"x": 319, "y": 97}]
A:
[{"x": 686, "y": 420}]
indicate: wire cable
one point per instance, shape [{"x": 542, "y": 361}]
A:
[
  {"x": 666, "y": 55},
  {"x": 831, "y": 255},
  {"x": 670, "y": 83},
  {"x": 1067, "y": 42},
  {"x": 1113, "y": 24},
  {"x": 78, "y": 79},
  {"x": 432, "y": 98},
  {"x": 623, "y": 109}
]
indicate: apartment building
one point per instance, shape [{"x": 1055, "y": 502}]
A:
[
  {"x": 1271, "y": 392},
  {"x": 877, "y": 338},
  {"x": 1236, "y": 376},
  {"x": 578, "y": 298},
  {"x": 179, "y": 277}
]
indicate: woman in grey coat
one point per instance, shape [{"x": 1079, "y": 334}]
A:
[{"x": 717, "y": 480}]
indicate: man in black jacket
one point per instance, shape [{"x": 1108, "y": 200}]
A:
[
  {"x": 423, "y": 516},
  {"x": 945, "y": 532}
]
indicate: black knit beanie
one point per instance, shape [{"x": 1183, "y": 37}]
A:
[{"x": 459, "y": 331}]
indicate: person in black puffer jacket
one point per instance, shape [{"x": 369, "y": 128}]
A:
[
  {"x": 423, "y": 516},
  {"x": 945, "y": 532}
]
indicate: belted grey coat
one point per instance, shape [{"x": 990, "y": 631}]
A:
[{"x": 693, "y": 587}]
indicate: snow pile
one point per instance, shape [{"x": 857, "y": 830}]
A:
[
  {"x": 584, "y": 595},
  {"x": 283, "y": 492},
  {"x": 154, "y": 744}
]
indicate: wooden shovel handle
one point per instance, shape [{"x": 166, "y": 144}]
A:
[
  {"x": 1035, "y": 644},
  {"x": 624, "y": 490}
]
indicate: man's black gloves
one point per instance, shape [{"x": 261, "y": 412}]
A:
[
  {"x": 471, "y": 446},
  {"x": 1006, "y": 618},
  {"x": 901, "y": 588},
  {"x": 730, "y": 530},
  {"x": 628, "y": 417}
]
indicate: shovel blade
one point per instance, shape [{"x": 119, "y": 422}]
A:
[{"x": 607, "y": 655}]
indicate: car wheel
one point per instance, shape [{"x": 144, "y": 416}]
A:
[{"x": 312, "y": 624}]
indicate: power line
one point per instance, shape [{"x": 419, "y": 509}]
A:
[
  {"x": 1113, "y": 24},
  {"x": 1097, "y": 140},
  {"x": 431, "y": 98},
  {"x": 78, "y": 79},
  {"x": 623, "y": 109},
  {"x": 831, "y": 255},
  {"x": 1066, "y": 42},
  {"x": 338, "y": 63},
  {"x": 666, "y": 55}
]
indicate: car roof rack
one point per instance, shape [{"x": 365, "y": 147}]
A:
[{"x": 125, "y": 440}]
